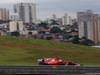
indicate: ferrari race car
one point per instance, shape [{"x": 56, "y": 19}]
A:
[{"x": 56, "y": 61}]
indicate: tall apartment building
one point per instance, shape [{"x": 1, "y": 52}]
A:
[
  {"x": 26, "y": 11},
  {"x": 16, "y": 26},
  {"x": 66, "y": 20},
  {"x": 14, "y": 17},
  {"x": 89, "y": 25},
  {"x": 4, "y": 14}
]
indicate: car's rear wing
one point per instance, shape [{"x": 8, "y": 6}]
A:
[{"x": 39, "y": 60}]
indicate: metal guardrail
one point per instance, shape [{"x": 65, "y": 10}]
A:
[{"x": 49, "y": 70}]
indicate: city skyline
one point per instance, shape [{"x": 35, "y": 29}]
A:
[{"x": 45, "y": 8}]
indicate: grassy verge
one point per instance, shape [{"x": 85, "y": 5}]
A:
[
  {"x": 45, "y": 43},
  {"x": 29, "y": 56}
]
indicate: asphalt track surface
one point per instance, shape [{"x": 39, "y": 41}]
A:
[{"x": 49, "y": 70}]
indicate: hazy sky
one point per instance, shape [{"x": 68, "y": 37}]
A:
[{"x": 45, "y": 8}]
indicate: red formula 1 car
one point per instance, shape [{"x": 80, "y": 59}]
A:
[{"x": 56, "y": 61}]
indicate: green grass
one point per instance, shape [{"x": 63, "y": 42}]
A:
[
  {"x": 28, "y": 56},
  {"x": 39, "y": 42}
]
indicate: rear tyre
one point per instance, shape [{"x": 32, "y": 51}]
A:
[{"x": 41, "y": 63}]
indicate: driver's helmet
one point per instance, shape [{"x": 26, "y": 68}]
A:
[{"x": 60, "y": 60}]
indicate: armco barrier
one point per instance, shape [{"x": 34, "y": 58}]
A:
[{"x": 49, "y": 70}]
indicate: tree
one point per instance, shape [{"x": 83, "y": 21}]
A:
[
  {"x": 75, "y": 25},
  {"x": 54, "y": 22},
  {"x": 64, "y": 32},
  {"x": 68, "y": 36},
  {"x": 42, "y": 32},
  {"x": 55, "y": 30},
  {"x": 75, "y": 40},
  {"x": 73, "y": 30},
  {"x": 49, "y": 38},
  {"x": 44, "y": 24},
  {"x": 15, "y": 33},
  {"x": 85, "y": 41}
]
